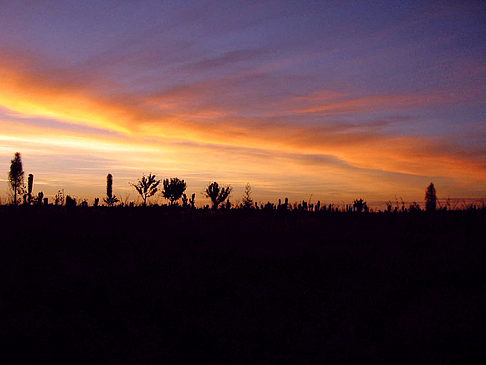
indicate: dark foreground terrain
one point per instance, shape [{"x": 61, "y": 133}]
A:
[{"x": 140, "y": 286}]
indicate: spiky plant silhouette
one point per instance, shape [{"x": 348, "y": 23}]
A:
[
  {"x": 217, "y": 194},
  {"x": 110, "y": 199},
  {"x": 147, "y": 186}
]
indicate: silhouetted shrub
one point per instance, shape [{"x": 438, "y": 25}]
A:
[
  {"x": 217, "y": 194},
  {"x": 247, "y": 201},
  {"x": 360, "y": 205},
  {"x": 147, "y": 186},
  {"x": 173, "y": 189}
]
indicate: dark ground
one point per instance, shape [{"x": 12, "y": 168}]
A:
[{"x": 140, "y": 286}]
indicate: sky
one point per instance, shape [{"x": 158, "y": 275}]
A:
[{"x": 311, "y": 100}]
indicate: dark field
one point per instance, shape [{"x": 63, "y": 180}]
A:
[{"x": 139, "y": 286}]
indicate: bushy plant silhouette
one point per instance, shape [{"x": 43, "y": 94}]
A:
[
  {"x": 359, "y": 205},
  {"x": 110, "y": 199},
  {"x": 430, "y": 198},
  {"x": 247, "y": 201},
  {"x": 173, "y": 189},
  {"x": 147, "y": 186},
  {"x": 217, "y": 194},
  {"x": 16, "y": 177}
]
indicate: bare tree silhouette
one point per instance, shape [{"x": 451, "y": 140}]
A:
[
  {"x": 173, "y": 189},
  {"x": 110, "y": 198},
  {"x": 217, "y": 194},
  {"x": 16, "y": 176},
  {"x": 147, "y": 186},
  {"x": 430, "y": 198}
]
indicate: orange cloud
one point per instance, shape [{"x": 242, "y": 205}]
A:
[{"x": 172, "y": 130}]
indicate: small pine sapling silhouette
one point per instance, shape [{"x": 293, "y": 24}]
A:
[
  {"x": 217, "y": 194},
  {"x": 147, "y": 186},
  {"x": 110, "y": 199},
  {"x": 16, "y": 177},
  {"x": 192, "y": 201},
  {"x": 96, "y": 202},
  {"x": 173, "y": 189},
  {"x": 430, "y": 198}
]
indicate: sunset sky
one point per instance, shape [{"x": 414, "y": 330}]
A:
[{"x": 329, "y": 100}]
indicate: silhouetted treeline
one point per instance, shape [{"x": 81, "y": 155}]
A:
[{"x": 174, "y": 191}]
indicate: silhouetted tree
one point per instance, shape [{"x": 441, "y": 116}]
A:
[
  {"x": 16, "y": 176},
  {"x": 217, "y": 194},
  {"x": 96, "y": 202},
  {"x": 146, "y": 187},
  {"x": 430, "y": 198},
  {"x": 173, "y": 189},
  {"x": 110, "y": 198},
  {"x": 247, "y": 201},
  {"x": 359, "y": 205}
]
